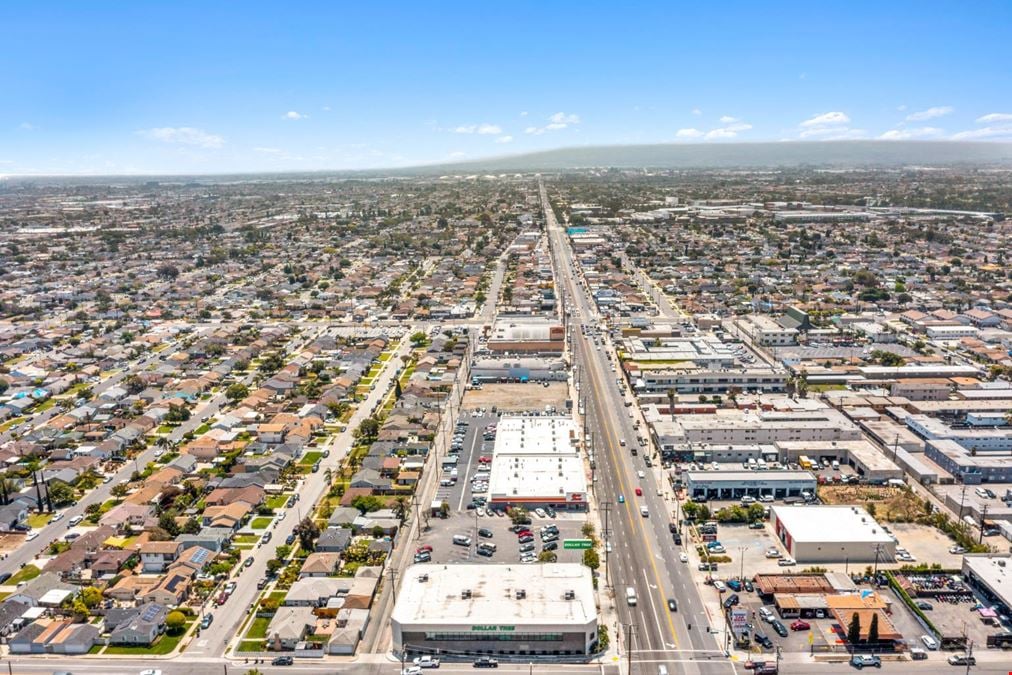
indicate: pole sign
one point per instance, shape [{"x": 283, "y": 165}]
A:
[
  {"x": 577, "y": 543},
  {"x": 739, "y": 620}
]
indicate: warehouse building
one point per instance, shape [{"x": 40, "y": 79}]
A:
[
  {"x": 468, "y": 610},
  {"x": 834, "y": 534},
  {"x": 862, "y": 456},
  {"x": 737, "y": 484},
  {"x": 536, "y": 462},
  {"x": 526, "y": 369}
]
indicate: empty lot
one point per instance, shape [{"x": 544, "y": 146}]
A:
[{"x": 513, "y": 397}]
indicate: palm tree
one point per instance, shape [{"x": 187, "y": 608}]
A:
[
  {"x": 400, "y": 506},
  {"x": 671, "y": 403}
]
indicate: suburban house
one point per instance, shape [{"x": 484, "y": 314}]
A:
[
  {"x": 135, "y": 625},
  {"x": 156, "y": 556}
]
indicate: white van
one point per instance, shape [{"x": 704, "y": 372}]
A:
[
  {"x": 461, "y": 540},
  {"x": 644, "y": 511},
  {"x": 630, "y": 596},
  {"x": 836, "y": 465}
]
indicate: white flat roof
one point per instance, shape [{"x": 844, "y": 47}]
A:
[
  {"x": 995, "y": 571},
  {"x": 543, "y": 435},
  {"x": 493, "y": 601},
  {"x": 552, "y": 478},
  {"x": 840, "y": 524}
]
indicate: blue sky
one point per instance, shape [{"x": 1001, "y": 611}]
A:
[{"x": 114, "y": 87}]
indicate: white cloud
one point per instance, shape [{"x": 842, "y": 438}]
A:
[
  {"x": 556, "y": 122},
  {"x": 27, "y": 126},
  {"x": 294, "y": 116},
  {"x": 483, "y": 129},
  {"x": 523, "y": 113},
  {"x": 504, "y": 139},
  {"x": 1001, "y": 132},
  {"x": 901, "y": 108},
  {"x": 830, "y": 126},
  {"x": 717, "y": 134},
  {"x": 564, "y": 119},
  {"x": 697, "y": 111},
  {"x": 995, "y": 117},
  {"x": 269, "y": 151},
  {"x": 326, "y": 108},
  {"x": 727, "y": 119},
  {"x": 929, "y": 114},
  {"x": 688, "y": 133},
  {"x": 907, "y": 134},
  {"x": 826, "y": 119},
  {"x": 184, "y": 136}
]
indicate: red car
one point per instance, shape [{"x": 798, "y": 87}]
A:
[
  {"x": 800, "y": 625},
  {"x": 524, "y": 533},
  {"x": 424, "y": 549},
  {"x": 639, "y": 492},
  {"x": 484, "y": 459}
]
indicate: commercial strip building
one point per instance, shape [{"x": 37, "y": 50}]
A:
[
  {"x": 519, "y": 369},
  {"x": 743, "y": 427},
  {"x": 737, "y": 484},
  {"x": 527, "y": 335},
  {"x": 831, "y": 534},
  {"x": 763, "y": 330},
  {"x": 536, "y": 461},
  {"x": 991, "y": 575},
  {"x": 468, "y": 610},
  {"x": 690, "y": 379}
]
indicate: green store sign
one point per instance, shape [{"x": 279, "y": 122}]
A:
[{"x": 492, "y": 629}]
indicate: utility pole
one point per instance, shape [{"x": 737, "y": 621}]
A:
[
  {"x": 983, "y": 517},
  {"x": 878, "y": 549},
  {"x": 969, "y": 655},
  {"x": 962, "y": 497},
  {"x": 606, "y": 508},
  {"x": 628, "y": 644}
]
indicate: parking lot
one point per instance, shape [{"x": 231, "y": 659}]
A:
[{"x": 469, "y": 522}]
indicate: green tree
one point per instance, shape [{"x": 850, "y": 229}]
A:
[
  {"x": 168, "y": 523},
  {"x": 368, "y": 429},
  {"x": 854, "y": 629},
  {"x": 61, "y": 493},
  {"x": 174, "y": 621},
  {"x": 418, "y": 339},
  {"x": 4, "y": 385},
  {"x": 547, "y": 557},
  {"x": 91, "y": 597},
  {"x": 367, "y": 503},
  {"x": 307, "y": 531},
  {"x": 274, "y": 566},
  {"x": 591, "y": 559},
  {"x": 870, "y": 508},
  {"x": 236, "y": 391}
]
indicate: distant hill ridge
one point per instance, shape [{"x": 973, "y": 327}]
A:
[{"x": 840, "y": 154}]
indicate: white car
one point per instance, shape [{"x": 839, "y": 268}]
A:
[
  {"x": 151, "y": 671},
  {"x": 720, "y": 586},
  {"x": 57, "y": 516},
  {"x": 31, "y": 535},
  {"x": 929, "y": 642},
  {"x": 540, "y": 513},
  {"x": 426, "y": 662},
  {"x": 683, "y": 557},
  {"x": 955, "y": 550}
]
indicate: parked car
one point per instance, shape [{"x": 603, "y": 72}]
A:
[
  {"x": 763, "y": 640},
  {"x": 800, "y": 625},
  {"x": 860, "y": 661},
  {"x": 929, "y": 642},
  {"x": 731, "y": 601},
  {"x": 779, "y": 627},
  {"x": 962, "y": 660},
  {"x": 734, "y": 585}
]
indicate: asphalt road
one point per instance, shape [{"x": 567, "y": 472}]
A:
[{"x": 643, "y": 555}]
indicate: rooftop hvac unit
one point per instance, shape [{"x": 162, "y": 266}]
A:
[
  {"x": 465, "y": 594},
  {"x": 521, "y": 594},
  {"x": 422, "y": 578},
  {"x": 569, "y": 595}
]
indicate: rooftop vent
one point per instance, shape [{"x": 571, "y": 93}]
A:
[
  {"x": 521, "y": 594},
  {"x": 569, "y": 595},
  {"x": 465, "y": 594},
  {"x": 422, "y": 578}
]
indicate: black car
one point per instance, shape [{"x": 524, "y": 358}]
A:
[
  {"x": 550, "y": 511},
  {"x": 282, "y": 661},
  {"x": 5, "y": 576},
  {"x": 764, "y": 640},
  {"x": 678, "y": 539},
  {"x": 486, "y": 662},
  {"x": 672, "y": 527},
  {"x": 749, "y": 587},
  {"x": 779, "y": 627},
  {"x": 731, "y": 601},
  {"x": 550, "y": 546},
  {"x": 485, "y": 532},
  {"x": 672, "y": 605}
]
